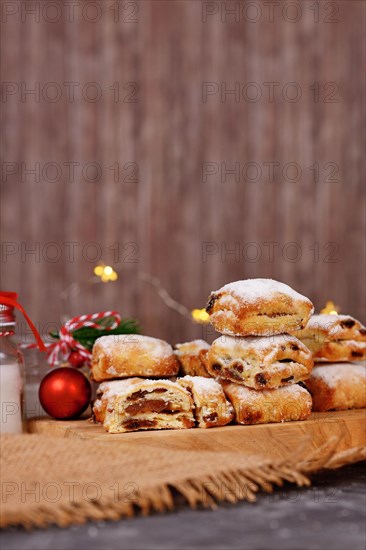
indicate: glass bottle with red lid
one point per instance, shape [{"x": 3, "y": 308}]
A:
[{"x": 12, "y": 372}]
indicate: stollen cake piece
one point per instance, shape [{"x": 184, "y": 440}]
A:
[
  {"x": 191, "y": 357},
  {"x": 139, "y": 404},
  {"x": 334, "y": 338},
  {"x": 125, "y": 355},
  {"x": 260, "y": 363},
  {"x": 338, "y": 386},
  {"x": 263, "y": 407},
  {"x": 211, "y": 408},
  {"x": 258, "y": 307}
]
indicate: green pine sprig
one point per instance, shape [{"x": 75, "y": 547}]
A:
[{"x": 86, "y": 336}]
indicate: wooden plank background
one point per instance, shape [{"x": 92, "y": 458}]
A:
[{"x": 162, "y": 218}]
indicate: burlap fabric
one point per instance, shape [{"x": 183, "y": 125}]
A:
[{"x": 51, "y": 480}]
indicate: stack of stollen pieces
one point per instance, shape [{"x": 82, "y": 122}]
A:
[
  {"x": 140, "y": 391},
  {"x": 338, "y": 345},
  {"x": 255, "y": 372},
  {"x": 256, "y": 360},
  {"x": 250, "y": 373}
]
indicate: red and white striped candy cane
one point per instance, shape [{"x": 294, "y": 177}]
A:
[{"x": 67, "y": 343}]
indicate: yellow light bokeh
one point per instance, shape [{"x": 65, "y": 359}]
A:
[
  {"x": 106, "y": 273},
  {"x": 330, "y": 308},
  {"x": 200, "y": 315}
]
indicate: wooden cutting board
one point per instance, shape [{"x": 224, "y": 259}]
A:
[{"x": 267, "y": 440}]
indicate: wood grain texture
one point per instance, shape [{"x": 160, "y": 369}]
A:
[
  {"x": 163, "y": 220},
  {"x": 265, "y": 440}
]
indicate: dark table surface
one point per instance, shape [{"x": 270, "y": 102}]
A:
[{"x": 330, "y": 515}]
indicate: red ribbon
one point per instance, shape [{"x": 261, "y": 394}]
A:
[{"x": 8, "y": 299}]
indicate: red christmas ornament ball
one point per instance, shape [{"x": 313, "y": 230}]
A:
[
  {"x": 76, "y": 359},
  {"x": 65, "y": 393}
]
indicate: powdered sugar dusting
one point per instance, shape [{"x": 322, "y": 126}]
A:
[
  {"x": 249, "y": 395},
  {"x": 153, "y": 346},
  {"x": 252, "y": 290},
  {"x": 112, "y": 370},
  {"x": 203, "y": 384},
  {"x": 335, "y": 373},
  {"x": 327, "y": 321},
  {"x": 257, "y": 343},
  {"x": 194, "y": 345},
  {"x": 97, "y": 404}
]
